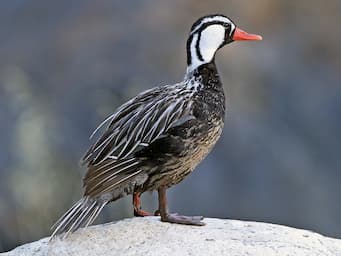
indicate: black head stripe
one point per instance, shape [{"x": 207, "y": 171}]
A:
[
  {"x": 188, "y": 48},
  {"x": 209, "y": 20},
  {"x": 207, "y": 17},
  {"x": 197, "y": 48}
]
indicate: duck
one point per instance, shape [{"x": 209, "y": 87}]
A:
[{"x": 156, "y": 139}]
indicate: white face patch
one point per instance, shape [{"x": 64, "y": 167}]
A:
[{"x": 211, "y": 39}]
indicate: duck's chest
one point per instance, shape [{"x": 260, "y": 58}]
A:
[
  {"x": 194, "y": 149},
  {"x": 198, "y": 136},
  {"x": 209, "y": 106},
  {"x": 205, "y": 136}
]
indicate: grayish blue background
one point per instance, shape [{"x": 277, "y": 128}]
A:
[{"x": 66, "y": 65}]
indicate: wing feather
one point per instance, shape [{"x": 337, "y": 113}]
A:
[{"x": 135, "y": 125}]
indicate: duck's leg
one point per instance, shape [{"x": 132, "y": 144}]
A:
[
  {"x": 138, "y": 212},
  {"x": 174, "y": 217}
]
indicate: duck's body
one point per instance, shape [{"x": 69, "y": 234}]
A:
[
  {"x": 182, "y": 147},
  {"x": 156, "y": 139}
]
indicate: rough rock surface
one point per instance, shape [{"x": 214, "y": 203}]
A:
[{"x": 148, "y": 236}]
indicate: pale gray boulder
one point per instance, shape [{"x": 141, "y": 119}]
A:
[{"x": 148, "y": 236}]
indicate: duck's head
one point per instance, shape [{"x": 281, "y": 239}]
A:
[{"x": 210, "y": 33}]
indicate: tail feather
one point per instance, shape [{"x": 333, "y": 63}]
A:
[{"x": 81, "y": 214}]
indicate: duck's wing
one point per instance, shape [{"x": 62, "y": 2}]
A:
[{"x": 133, "y": 127}]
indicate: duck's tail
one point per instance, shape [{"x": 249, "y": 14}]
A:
[{"x": 81, "y": 214}]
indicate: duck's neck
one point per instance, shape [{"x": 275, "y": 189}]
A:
[
  {"x": 206, "y": 74},
  {"x": 208, "y": 91}
]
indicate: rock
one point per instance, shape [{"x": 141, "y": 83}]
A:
[{"x": 148, "y": 236}]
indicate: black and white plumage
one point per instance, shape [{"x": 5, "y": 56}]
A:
[{"x": 157, "y": 138}]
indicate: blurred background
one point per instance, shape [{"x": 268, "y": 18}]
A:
[{"x": 66, "y": 65}]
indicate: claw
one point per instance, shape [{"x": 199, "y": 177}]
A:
[
  {"x": 174, "y": 217},
  {"x": 138, "y": 212},
  {"x": 181, "y": 219},
  {"x": 141, "y": 213}
]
